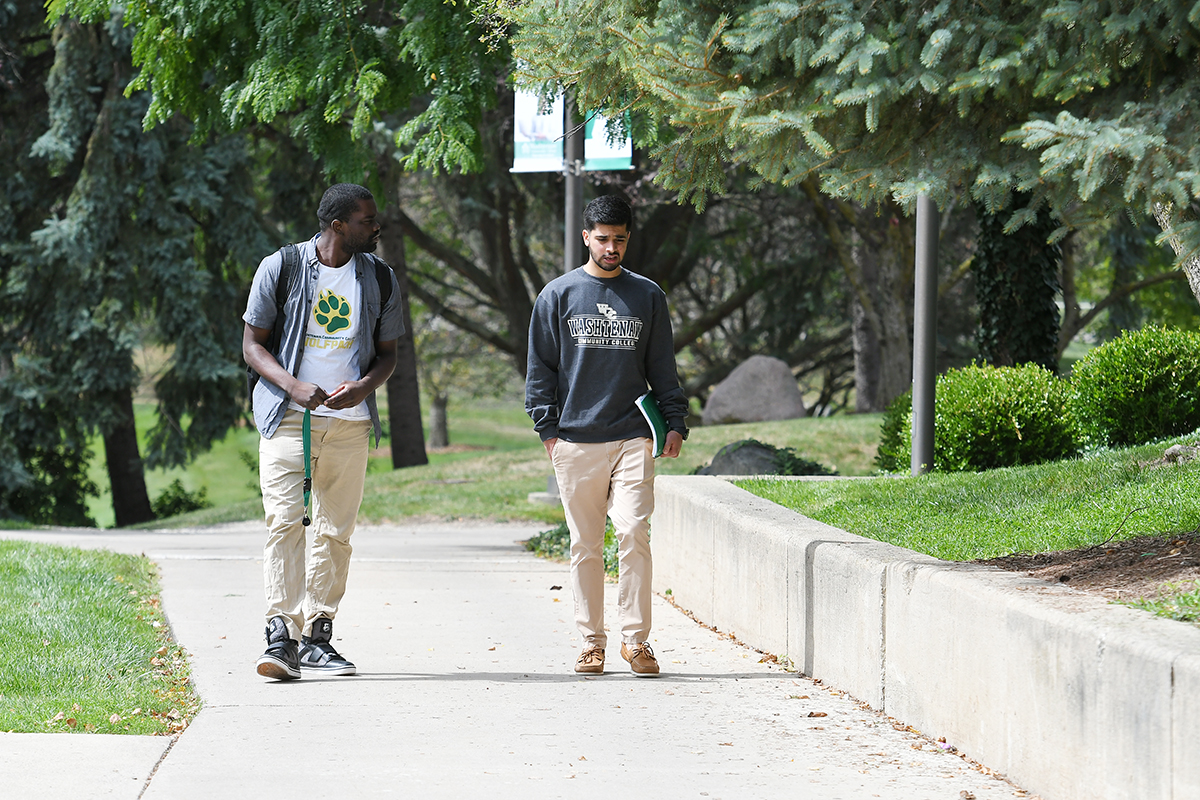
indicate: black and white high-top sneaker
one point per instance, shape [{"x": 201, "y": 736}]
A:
[
  {"x": 281, "y": 660},
  {"x": 319, "y": 655}
]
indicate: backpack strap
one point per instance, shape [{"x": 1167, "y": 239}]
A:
[
  {"x": 383, "y": 276},
  {"x": 288, "y": 268}
]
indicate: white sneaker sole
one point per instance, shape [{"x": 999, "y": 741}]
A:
[
  {"x": 271, "y": 667},
  {"x": 350, "y": 670}
]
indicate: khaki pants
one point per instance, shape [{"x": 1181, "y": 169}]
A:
[
  {"x": 298, "y": 589},
  {"x": 614, "y": 479}
]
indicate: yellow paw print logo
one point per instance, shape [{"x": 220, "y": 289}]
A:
[{"x": 332, "y": 312}]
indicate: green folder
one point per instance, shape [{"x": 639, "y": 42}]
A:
[{"x": 654, "y": 416}]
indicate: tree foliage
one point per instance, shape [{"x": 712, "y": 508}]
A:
[
  {"x": 1087, "y": 107},
  {"x": 112, "y": 236},
  {"x": 329, "y": 69}
]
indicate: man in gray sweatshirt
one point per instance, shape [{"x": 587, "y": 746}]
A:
[{"x": 599, "y": 336}]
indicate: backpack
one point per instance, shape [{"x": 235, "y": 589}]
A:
[{"x": 288, "y": 269}]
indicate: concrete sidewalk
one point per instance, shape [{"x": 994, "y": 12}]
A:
[{"x": 465, "y": 650}]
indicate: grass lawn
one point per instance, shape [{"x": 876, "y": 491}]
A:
[
  {"x": 847, "y": 442},
  {"x": 86, "y": 645},
  {"x": 493, "y": 481},
  {"x": 1044, "y": 508},
  {"x": 1179, "y": 602},
  {"x": 221, "y": 472}
]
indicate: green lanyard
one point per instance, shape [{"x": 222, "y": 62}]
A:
[{"x": 307, "y": 464}]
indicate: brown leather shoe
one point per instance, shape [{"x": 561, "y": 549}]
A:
[
  {"x": 590, "y": 661},
  {"x": 641, "y": 658}
]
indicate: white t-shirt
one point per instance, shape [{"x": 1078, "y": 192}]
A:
[{"x": 330, "y": 347}]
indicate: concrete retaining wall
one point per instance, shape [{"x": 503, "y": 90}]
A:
[{"x": 1069, "y": 696}]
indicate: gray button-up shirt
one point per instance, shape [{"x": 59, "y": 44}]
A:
[{"x": 269, "y": 401}]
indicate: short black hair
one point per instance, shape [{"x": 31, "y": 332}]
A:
[
  {"x": 607, "y": 209},
  {"x": 340, "y": 201}
]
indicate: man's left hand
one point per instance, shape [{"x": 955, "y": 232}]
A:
[
  {"x": 347, "y": 395},
  {"x": 673, "y": 444}
]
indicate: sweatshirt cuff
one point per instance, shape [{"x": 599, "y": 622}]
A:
[{"x": 549, "y": 433}]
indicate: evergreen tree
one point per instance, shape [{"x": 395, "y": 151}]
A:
[
  {"x": 112, "y": 236},
  {"x": 1088, "y": 108}
]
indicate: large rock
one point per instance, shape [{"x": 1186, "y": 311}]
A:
[
  {"x": 746, "y": 457},
  {"x": 760, "y": 389}
]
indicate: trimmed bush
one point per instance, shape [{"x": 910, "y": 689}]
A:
[
  {"x": 987, "y": 417},
  {"x": 1142, "y": 386},
  {"x": 895, "y": 436}
]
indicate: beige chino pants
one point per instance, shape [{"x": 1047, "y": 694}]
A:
[
  {"x": 613, "y": 479},
  {"x": 301, "y": 589}
]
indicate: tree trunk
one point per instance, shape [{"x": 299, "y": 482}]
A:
[
  {"x": 127, "y": 479},
  {"x": 403, "y": 392},
  {"x": 1167, "y": 215},
  {"x": 883, "y": 255},
  {"x": 1017, "y": 278},
  {"x": 439, "y": 433}
]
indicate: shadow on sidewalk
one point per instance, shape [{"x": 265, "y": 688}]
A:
[{"x": 542, "y": 677}]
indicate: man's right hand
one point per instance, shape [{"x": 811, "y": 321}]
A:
[
  {"x": 549, "y": 445},
  {"x": 307, "y": 395}
]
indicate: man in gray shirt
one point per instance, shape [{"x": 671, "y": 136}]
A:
[
  {"x": 336, "y": 345},
  {"x": 598, "y": 337}
]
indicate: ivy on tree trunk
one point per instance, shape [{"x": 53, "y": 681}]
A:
[{"x": 1016, "y": 283}]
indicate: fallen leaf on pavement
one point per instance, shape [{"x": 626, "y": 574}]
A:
[{"x": 817, "y": 714}]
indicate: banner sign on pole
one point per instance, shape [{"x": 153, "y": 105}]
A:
[
  {"x": 537, "y": 138},
  {"x": 606, "y": 146}
]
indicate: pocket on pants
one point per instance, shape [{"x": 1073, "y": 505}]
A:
[{"x": 647, "y": 460}]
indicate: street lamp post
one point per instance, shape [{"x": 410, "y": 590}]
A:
[{"x": 924, "y": 335}]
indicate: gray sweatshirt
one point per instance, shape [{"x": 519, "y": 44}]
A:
[{"x": 594, "y": 346}]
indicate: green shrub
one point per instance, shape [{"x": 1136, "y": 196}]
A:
[
  {"x": 987, "y": 417},
  {"x": 175, "y": 500},
  {"x": 895, "y": 436},
  {"x": 1142, "y": 386}
]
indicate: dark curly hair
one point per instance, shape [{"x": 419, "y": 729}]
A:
[
  {"x": 340, "y": 201},
  {"x": 608, "y": 209}
]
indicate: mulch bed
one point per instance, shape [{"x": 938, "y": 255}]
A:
[{"x": 1125, "y": 570}]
